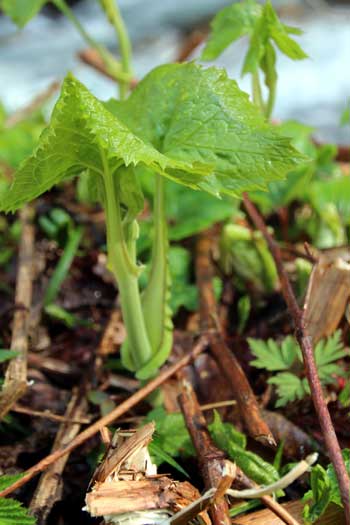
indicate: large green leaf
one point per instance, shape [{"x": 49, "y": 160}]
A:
[
  {"x": 82, "y": 133},
  {"x": 228, "y": 25},
  {"x": 21, "y": 11},
  {"x": 192, "y": 114}
]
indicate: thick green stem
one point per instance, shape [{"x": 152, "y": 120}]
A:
[
  {"x": 155, "y": 298},
  {"x": 270, "y": 101},
  {"x": 113, "y": 13},
  {"x": 126, "y": 274},
  {"x": 113, "y": 67},
  {"x": 257, "y": 94}
]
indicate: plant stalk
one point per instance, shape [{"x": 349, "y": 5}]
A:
[
  {"x": 257, "y": 94},
  {"x": 270, "y": 101},
  {"x": 113, "y": 67},
  {"x": 155, "y": 298},
  {"x": 112, "y": 11},
  {"x": 126, "y": 274}
]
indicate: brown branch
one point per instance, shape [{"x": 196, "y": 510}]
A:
[
  {"x": 15, "y": 383},
  {"x": 46, "y": 414},
  {"x": 50, "y": 486},
  {"x": 305, "y": 344},
  {"x": 110, "y": 418},
  {"x": 230, "y": 367},
  {"x": 211, "y": 460}
]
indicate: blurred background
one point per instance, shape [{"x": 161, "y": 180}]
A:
[{"x": 314, "y": 91}]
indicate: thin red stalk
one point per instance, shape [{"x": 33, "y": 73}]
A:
[{"x": 305, "y": 343}]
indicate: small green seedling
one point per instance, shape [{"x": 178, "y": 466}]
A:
[
  {"x": 184, "y": 123},
  {"x": 266, "y": 33}
]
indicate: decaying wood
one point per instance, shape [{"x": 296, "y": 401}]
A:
[
  {"x": 230, "y": 367},
  {"x": 211, "y": 460},
  {"x": 120, "y": 450},
  {"x": 305, "y": 342},
  {"x": 110, "y": 418},
  {"x": 333, "y": 516},
  {"x": 328, "y": 293},
  {"x": 126, "y": 482},
  {"x": 118, "y": 497},
  {"x": 15, "y": 383},
  {"x": 50, "y": 486}
]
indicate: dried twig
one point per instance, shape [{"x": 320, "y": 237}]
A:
[
  {"x": 305, "y": 344},
  {"x": 46, "y": 414},
  {"x": 211, "y": 460},
  {"x": 15, "y": 383},
  {"x": 50, "y": 486},
  {"x": 109, "y": 418},
  {"x": 247, "y": 403}
]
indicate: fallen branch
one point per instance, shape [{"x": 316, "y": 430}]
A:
[
  {"x": 211, "y": 460},
  {"x": 110, "y": 418},
  {"x": 305, "y": 344},
  {"x": 50, "y": 486},
  {"x": 15, "y": 383},
  {"x": 247, "y": 404}
]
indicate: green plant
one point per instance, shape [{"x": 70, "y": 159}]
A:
[
  {"x": 173, "y": 438},
  {"x": 265, "y": 31},
  {"x": 244, "y": 253},
  {"x": 11, "y": 511},
  {"x": 324, "y": 490},
  {"x": 285, "y": 359},
  {"x": 185, "y": 123}
]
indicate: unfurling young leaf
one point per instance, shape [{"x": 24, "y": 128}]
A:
[{"x": 265, "y": 31}]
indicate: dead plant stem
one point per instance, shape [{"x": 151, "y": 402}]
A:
[{"x": 305, "y": 344}]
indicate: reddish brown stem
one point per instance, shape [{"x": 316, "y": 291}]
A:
[
  {"x": 211, "y": 459},
  {"x": 305, "y": 344},
  {"x": 109, "y": 418},
  {"x": 230, "y": 367}
]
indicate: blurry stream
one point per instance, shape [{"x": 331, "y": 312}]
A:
[{"x": 314, "y": 91}]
